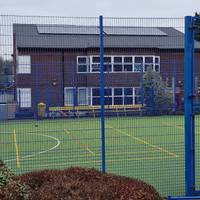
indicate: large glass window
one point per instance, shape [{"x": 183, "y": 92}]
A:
[
  {"x": 108, "y": 96},
  {"x": 149, "y": 62},
  {"x": 114, "y": 96},
  {"x": 128, "y": 96},
  {"x": 138, "y": 95},
  {"x": 157, "y": 64},
  {"x": 118, "y": 96},
  {"x": 69, "y": 96},
  {"x": 138, "y": 64},
  {"x": 107, "y": 64},
  {"x": 24, "y": 97},
  {"x": 96, "y": 96},
  {"x": 117, "y": 66},
  {"x": 24, "y": 64},
  {"x": 128, "y": 64},
  {"x": 95, "y": 66},
  {"x": 82, "y": 96},
  {"x": 83, "y": 64}
]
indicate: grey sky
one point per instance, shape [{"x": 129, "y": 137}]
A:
[{"x": 115, "y": 8}]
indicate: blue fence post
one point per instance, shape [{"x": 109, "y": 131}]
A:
[
  {"x": 102, "y": 94},
  {"x": 188, "y": 101}
]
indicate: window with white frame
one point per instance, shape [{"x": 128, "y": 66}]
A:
[
  {"x": 152, "y": 61},
  {"x": 107, "y": 64},
  {"x": 95, "y": 64},
  {"x": 96, "y": 96},
  {"x": 24, "y": 97},
  {"x": 117, "y": 64},
  {"x": 128, "y": 63},
  {"x": 24, "y": 64},
  {"x": 137, "y": 63},
  {"x": 129, "y": 96},
  {"x": 92, "y": 96},
  {"x": 112, "y": 96},
  {"x": 108, "y": 96},
  {"x": 148, "y": 62},
  {"x": 69, "y": 96},
  {"x": 118, "y": 96},
  {"x": 138, "y": 95},
  {"x": 83, "y": 96},
  {"x": 82, "y": 64},
  {"x": 157, "y": 64}
]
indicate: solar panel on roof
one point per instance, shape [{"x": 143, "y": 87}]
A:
[
  {"x": 149, "y": 31},
  {"x": 67, "y": 29},
  {"x": 93, "y": 30}
]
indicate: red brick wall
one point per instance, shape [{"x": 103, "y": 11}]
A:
[{"x": 47, "y": 67}]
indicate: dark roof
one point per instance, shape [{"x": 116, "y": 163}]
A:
[
  {"x": 75, "y": 37},
  {"x": 94, "y": 30}
]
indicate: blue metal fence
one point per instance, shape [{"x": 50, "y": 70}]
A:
[
  {"x": 189, "y": 115},
  {"x": 191, "y": 69},
  {"x": 102, "y": 94},
  {"x": 99, "y": 92}
]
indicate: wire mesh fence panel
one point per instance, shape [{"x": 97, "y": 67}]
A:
[
  {"x": 197, "y": 123},
  {"x": 42, "y": 124},
  {"x": 50, "y": 98},
  {"x": 197, "y": 100},
  {"x": 143, "y": 66}
]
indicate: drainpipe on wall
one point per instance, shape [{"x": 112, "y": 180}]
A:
[
  {"x": 63, "y": 75},
  {"x": 15, "y": 66}
]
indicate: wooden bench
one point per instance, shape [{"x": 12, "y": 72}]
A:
[{"x": 78, "y": 111}]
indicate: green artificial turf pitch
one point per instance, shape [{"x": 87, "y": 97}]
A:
[{"x": 148, "y": 148}]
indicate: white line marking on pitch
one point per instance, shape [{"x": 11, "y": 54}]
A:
[{"x": 41, "y": 152}]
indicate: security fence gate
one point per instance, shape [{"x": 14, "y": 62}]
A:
[{"x": 100, "y": 92}]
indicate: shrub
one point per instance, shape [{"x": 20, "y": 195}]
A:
[
  {"x": 5, "y": 174},
  {"x": 11, "y": 189}
]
